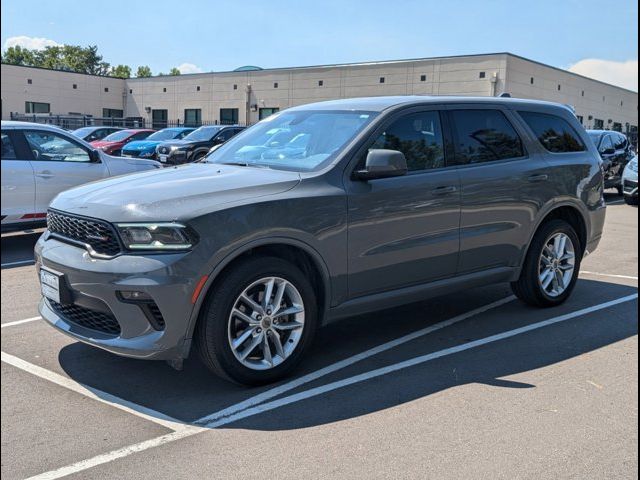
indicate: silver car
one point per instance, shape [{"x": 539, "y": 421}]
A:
[{"x": 40, "y": 161}]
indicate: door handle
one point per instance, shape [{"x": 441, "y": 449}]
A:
[
  {"x": 539, "y": 178},
  {"x": 444, "y": 190},
  {"x": 44, "y": 175}
]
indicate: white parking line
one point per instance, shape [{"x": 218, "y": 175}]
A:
[
  {"x": 609, "y": 275},
  {"x": 139, "y": 447},
  {"x": 15, "y": 264},
  {"x": 279, "y": 390},
  {"x": 20, "y": 322},
  {"x": 104, "y": 397}
]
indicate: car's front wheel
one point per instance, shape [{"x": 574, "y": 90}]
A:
[
  {"x": 258, "y": 321},
  {"x": 551, "y": 268}
]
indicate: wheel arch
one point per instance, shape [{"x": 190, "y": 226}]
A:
[
  {"x": 299, "y": 253},
  {"x": 567, "y": 211}
]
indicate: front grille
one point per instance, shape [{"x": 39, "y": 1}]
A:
[
  {"x": 98, "y": 321},
  {"x": 132, "y": 153},
  {"x": 100, "y": 235}
]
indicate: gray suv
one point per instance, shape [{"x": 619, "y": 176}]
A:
[{"x": 367, "y": 204}]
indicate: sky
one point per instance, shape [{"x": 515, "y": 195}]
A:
[{"x": 593, "y": 38}]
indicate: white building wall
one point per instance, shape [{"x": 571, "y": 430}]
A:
[
  {"x": 56, "y": 88},
  {"x": 211, "y": 92}
]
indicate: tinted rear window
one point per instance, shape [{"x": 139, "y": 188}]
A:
[
  {"x": 484, "y": 136},
  {"x": 554, "y": 133}
]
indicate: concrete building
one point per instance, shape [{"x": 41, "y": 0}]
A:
[{"x": 249, "y": 94}]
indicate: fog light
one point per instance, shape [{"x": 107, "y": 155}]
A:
[{"x": 134, "y": 296}]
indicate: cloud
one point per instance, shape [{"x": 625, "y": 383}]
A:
[
  {"x": 189, "y": 68},
  {"x": 623, "y": 74},
  {"x": 33, "y": 43}
]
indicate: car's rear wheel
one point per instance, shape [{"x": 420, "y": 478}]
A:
[
  {"x": 258, "y": 321},
  {"x": 551, "y": 268}
]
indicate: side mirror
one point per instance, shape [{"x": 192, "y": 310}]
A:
[
  {"x": 608, "y": 151},
  {"x": 382, "y": 163}
]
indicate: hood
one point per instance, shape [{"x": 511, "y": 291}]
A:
[
  {"x": 142, "y": 145},
  {"x": 173, "y": 194},
  {"x": 179, "y": 143}
]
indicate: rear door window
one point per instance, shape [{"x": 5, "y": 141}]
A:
[
  {"x": 554, "y": 133},
  {"x": 484, "y": 136}
]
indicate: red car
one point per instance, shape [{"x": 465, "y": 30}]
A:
[{"x": 112, "y": 144}]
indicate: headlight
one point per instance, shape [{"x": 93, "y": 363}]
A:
[{"x": 156, "y": 236}]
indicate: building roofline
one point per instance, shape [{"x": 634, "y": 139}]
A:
[
  {"x": 64, "y": 71},
  {"x": 349, "y": 64}
]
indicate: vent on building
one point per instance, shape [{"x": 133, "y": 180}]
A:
[
  {"x": 29, "y": 81},
  {"x": 483, "y": 74},
  {"x": 275, "y": 85},
  {"x": 423, "y": 78},
  {"x": 130, "y": 90},
  {"x": 164, "y": 89},
  {"x": 381, "y": 79},
  {"x": 75, "y": 86},
  {"x": 320, "y": 83},
  {"x": 559, "y": 87},
  {"x": 198, "y": 88},
  {"x": 106, "y": 89},
  {"x": 235, "y": 87},
  {"x": 532, "y": 80}
]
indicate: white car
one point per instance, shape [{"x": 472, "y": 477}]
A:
[
  {"x": 630, "y": 182},
  {"x": 40, "y": 161}
]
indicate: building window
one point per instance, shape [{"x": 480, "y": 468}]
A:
[
  {"x": 265, "y": 112},
  {"x": 622, "y": 103},
  {"x": 29, "y": 81},
  {"x": 598, "y": 124},
  {"x": 228, "y": 116},
  {"x": 198, "y": 88},
  {"x": 275, "y": 85},
  {"x": 75, "y": 86},
  {"x": 423, "y": 78},
  {"x": 559, "y": 87},
  {"x": 235, "y": 87},
  {"x": 603, "y": 98},
  {"x": 483, "y": 75},
  {"x": 583, "y": 93},
  {"x": 112, "y": 113},
  {"x": 164, "y": 89},
  {"x": 192, "y": 117},
  {"x": 532, "y": 80},
  {"x": 617, "y": 126},
  {"x": 159, "y": 118},
  {"x": 320, "y": 83},
  {"x": 106, "y": 89},
  {"x": 381, "y": 79},
  {"x": 37, "y": 107},
  {"x": 130, "y": 90}
]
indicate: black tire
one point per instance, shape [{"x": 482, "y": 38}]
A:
[
  {"x": 211, "y": 336},
  {"x": 198, "y": 156},
  {"x": 527, "y": 288},
  {"x": 630, "y": 200}
]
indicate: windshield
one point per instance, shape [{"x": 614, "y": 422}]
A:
[
  {"x": 202, "y": 134},
  {"x": 595, "y": 137},
  {"x": 83, "y": 132},
  {"x": 298, "y": 140},
  {"x": 164, "y": 135},
  {"x": 118, "y": 136}
]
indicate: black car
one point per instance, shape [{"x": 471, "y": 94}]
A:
[
  {"x": 196, "y": 145},
  {"x": 616, "y": 152},
  {"x": 91, "y": 134}
]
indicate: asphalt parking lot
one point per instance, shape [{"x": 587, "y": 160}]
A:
[{"x": 464, "y": 386}]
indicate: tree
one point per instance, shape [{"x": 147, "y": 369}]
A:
[
  {"x": 143, "y": 71},
  {"x": 121, "y": 71},
  {"x": 18, "y": 56},
  {"x": 174, "y": 71}
]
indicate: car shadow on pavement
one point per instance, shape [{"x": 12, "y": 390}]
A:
[{"x": 194, "y": 392}]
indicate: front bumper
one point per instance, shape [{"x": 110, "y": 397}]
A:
[{"x": 94, "y": 285}]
